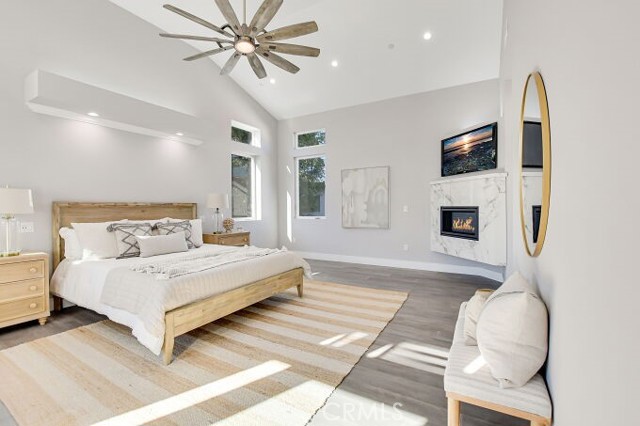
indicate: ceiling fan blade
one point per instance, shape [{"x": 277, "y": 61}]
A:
[
  {"x": 256, "y": 65},
  {"x": 278, "y": 61},
  {"x": 192, "y": 37},
  {"x": 264, "y": 15},
  {"x": 291, "y": 49},
  {"x": 230, "y": 15},
  {"x": 231, "y": 63},
  {"x": 195, "y": 19},
  {"x": 207, "y": 53},
  {"x": 290, "y": 31}
]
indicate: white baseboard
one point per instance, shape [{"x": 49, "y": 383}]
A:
[{"x": 406, "y": 264}]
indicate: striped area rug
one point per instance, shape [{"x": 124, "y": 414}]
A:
[{"x": 274, "y": 363}]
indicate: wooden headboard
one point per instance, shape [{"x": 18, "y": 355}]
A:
[{"x": 65, "y": 213}]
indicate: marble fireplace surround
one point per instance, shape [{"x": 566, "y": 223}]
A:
[{"x": 487, "y": 191}]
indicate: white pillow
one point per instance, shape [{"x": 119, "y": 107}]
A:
[
  {"x": 196, "y": 230},
  {"x": 472, "y": 313},
  {"x": 512, "y": 332},
  {"x": 72, "y": 247},
  {"x": 162, "y": 244},
  {"x": 96, "y": 241}
]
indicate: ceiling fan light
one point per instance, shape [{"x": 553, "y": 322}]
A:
[{"x": 244, "y": 45}]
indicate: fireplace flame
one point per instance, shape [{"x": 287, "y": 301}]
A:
[{"x": 464, "y": 225}]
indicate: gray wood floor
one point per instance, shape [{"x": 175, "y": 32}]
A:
[{"x": 406, "y": 376}]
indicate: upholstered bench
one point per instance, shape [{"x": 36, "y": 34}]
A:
[{"x": 467, "y": 379}]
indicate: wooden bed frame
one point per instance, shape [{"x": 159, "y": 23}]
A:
[{"x": 186, "y": 318}]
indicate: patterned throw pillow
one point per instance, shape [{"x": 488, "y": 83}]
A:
[
  {"x": 173, "y": 227},
  {"x": 126, "y": 237}
]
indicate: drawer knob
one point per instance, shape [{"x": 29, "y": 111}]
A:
[
  {"x": 33, "y": 270},
  {"x": 245, "y": 239},
  {"x": 33, "y": 288},
  {"x": 221, "y": 241},
  {"x": 33, "y": 305}
]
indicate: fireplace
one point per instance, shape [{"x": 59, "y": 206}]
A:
[{"x": 459, "y": 222}]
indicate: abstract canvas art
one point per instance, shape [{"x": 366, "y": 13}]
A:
[{"x": 365, "y": 198}]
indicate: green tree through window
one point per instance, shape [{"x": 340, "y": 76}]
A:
[
  {"x": 311, "y": 139},
  {"x": 241, "y": 135},
  {"x": 241, "y": 186},
  {"x": 311, "y": 186}
]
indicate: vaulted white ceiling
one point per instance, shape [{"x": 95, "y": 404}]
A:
[{"x": 379, "y": 46}]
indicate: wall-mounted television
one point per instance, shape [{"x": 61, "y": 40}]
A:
[
  {"x": 532, "y": 145},
  {"x": 470, "y": 151}
]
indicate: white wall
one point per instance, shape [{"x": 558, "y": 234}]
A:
[
  {"x": 587, "y": 53},
  {"x": 99, "y": 43},
  {"x": 402, "y": 133}
]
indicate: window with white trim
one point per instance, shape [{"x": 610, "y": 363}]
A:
[
  {"x": 243, "y": 186},
  {"x": 310, "y": 138},
  {"x": 311, "y": 182},
  {"x": 245, "y": 134}
]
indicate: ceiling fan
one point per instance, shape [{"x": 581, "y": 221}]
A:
[{"x": 252, "y": 40}]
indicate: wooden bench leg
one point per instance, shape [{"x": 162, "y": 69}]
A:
[
  {"x": 300, "y": 290},
  {"x": 454, "y": 412}
]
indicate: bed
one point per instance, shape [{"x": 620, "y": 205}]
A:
[{"x": 80, "y": 281}]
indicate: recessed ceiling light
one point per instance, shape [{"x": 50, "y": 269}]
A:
[
  {"x": 272, "y": 81},
  {"x": 427, "y": 36},
  {"x": 179, "y": 134},
  {"x": 93, "y": 114},
  {"x": 334, "y": 63}
]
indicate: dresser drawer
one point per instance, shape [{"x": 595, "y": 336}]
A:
[
  {"x": 233, "y": 240},
  {"x": 21, "y": 308},
  {"x": 20, "y": 271},
  {"x": 21, "y": 289}
]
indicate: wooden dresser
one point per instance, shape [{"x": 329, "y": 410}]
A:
[
  {"x": 228, "y": 238},
  {"x": 24, "y": 288}
]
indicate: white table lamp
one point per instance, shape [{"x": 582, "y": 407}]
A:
[
  {"x": 13, "y": 201},
  {"x": 217, "y": 202}
]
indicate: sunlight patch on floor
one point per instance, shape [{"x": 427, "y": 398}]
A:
[
  {"x": 280, "y": 409},
  {"x": 422, "y": 357},
  {"x": 195, "y": 396},
  {"x": 343, "y": 339}
]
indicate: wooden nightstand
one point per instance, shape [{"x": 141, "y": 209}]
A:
[
  {"x": 24, "y": 288},
  {"x": 228, "y": 239}
]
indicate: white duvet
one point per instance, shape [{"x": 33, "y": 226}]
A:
[{"x": 82, "y": 283}]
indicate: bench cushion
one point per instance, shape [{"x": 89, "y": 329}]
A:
[{"x": 466, "y": 374}]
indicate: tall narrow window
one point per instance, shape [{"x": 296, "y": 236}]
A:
[
  {"x": 242, "y": 186},
  {"x": 307, "y": 139},
  {"x": 311, "y": 186}
]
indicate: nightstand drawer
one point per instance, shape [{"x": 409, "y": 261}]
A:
[
  {"x": 21, "y": 308},
  {"x": 21, "y": 289},
  {"x": 19, "y": 271},
  {"x": 233, "y": 240}
]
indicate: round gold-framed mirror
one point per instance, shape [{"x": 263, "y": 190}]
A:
[{"x": 535, "y": 164}]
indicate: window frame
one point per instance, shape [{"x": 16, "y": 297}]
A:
[
  {"x": 255, "y": 215},
  {"x": 306, "y": 132},
  {"x": 297, "y": 185},
  {"x": 256, "y": 134}
]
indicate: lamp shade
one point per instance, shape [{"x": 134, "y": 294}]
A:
[
  {"x": 15, "y": 201},
  {"x": 218, "y": 201}
]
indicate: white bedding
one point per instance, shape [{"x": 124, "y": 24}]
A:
[{"x": 82, "y": 281}]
